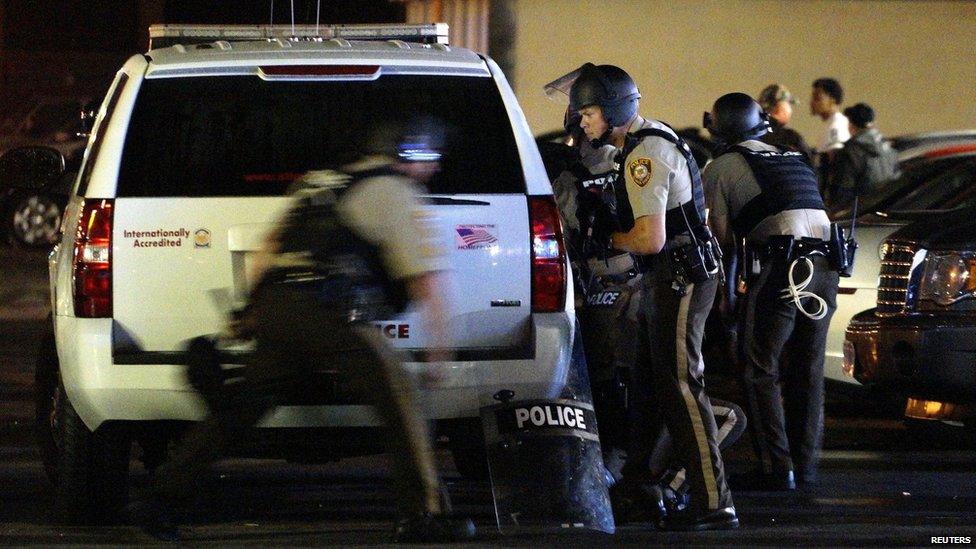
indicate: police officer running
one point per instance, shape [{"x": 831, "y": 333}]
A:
[
  {"x": 768, "y": 197},
  {"x": 333, "y": 265},
  {"x": 659, "y": 217}
]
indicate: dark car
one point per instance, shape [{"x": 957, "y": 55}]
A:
[
  {"x": 920, "y": 341},
  {"x": 40, "y": 158},
  {"x": 34, "y": 187}
]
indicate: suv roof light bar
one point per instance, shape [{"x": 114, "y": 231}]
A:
[{"x": 162, "y": 35}]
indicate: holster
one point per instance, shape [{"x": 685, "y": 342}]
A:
[{"x": 697, "y": 261}]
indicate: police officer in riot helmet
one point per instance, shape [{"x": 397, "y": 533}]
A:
[
  {"x": 658, "y": 217},
  {"x": 768, "y": 198},
  {"x": 331, "y": 266}
]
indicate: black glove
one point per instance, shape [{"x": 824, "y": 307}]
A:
[{"x": 602, "y": 224}]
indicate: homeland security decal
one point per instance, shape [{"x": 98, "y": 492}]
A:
[{"x": 470, "y": 237}]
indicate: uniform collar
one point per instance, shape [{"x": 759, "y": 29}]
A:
[{"x": 637, "y": 124}]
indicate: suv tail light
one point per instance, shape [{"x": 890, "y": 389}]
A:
[
  {"x": 548, "y": 256},
  {"x": 93, "y": 260}
]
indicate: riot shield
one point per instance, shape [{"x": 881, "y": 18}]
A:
[{"x": 545, "y": 460}]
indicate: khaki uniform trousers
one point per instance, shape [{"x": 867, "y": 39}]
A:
[{"x": 297, "y": 335}]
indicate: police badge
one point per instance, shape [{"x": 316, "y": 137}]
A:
[{"x": 640, "y": 171}]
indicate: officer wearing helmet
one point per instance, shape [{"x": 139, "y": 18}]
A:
[
  {"x": 331, "y": 266},
  {"x": 658, "y": 217},
  {"x": 768, "y": 198}
]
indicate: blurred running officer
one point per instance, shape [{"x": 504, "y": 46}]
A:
[
  {"x": 332, "y": 266},
  {"x": 660, "y": 218}
]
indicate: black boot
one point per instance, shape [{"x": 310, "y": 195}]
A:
[
  {"x": 758, "y": 481},
  {"x": 431, "y": 528},
  {"x": 153, "y": 517},
  {"x": 719, "y": 519},
  {"x": 637, "y": 503}
]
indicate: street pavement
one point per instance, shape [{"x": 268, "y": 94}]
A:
[{"x": 883, "y": 484}]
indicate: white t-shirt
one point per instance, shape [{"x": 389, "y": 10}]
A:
[{"x": 835, "y": 133}]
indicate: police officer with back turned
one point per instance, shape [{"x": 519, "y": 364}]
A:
[
  {"x": 768, "y": 198},
  {"x": 659, "y": 217}
]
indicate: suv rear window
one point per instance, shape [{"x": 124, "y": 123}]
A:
[{"x": 243, "y": 136}]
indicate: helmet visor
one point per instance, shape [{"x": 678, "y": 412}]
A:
[{"x": 558, "y": 89}]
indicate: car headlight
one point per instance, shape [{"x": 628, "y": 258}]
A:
[{"x": 948, "y": 278}]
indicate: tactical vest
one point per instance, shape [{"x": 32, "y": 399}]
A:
[
  {"x": 678, "y": 220},
  {"x": 786, "y": 182},
  {"x": 349, "y": 270}
]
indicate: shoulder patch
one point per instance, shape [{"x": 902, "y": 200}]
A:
[{"x": 640, "y": 170}]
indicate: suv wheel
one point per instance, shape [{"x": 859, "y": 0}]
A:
[
  {"x": 47, "y": 395},
  {"x": 89, "y": 471},
  {"x": 35, "y": 220}
]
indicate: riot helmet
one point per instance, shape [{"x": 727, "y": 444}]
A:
[
  {"x": 608, "y": 87},
  {"x": 736, "y": 117},
  {"x": 421, "y": 138}
]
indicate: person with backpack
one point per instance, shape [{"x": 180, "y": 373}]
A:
[{"x": 866, "y": 162}]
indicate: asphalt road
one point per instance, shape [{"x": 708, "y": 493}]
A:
[{"x": 883, "y": 484}]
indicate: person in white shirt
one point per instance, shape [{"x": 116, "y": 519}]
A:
[{"x": 825, "y": 101}]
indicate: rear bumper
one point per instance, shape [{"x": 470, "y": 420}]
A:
[
  {"x": 102, "y": 390},
  {"x": 931, "y": 358}
]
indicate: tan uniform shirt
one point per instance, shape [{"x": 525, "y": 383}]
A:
[
  {"x": 729, "y": 185},
  {"x": 657, "y": 175},
  {"x": 384, "y": 210}
]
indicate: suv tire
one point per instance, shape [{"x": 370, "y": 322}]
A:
[
  {"x": 47, "y": 391},
  {"x": 93, "y": 469},
  {"x": 89, "y": 471}
]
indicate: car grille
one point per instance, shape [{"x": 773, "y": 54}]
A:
[{"x": 894, "y": 283}]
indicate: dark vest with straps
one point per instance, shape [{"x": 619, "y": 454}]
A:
[
  {"x": 786, "y": 182},
  {"x": 349, "y": 270},
  {"x": 678, "y": 220}
]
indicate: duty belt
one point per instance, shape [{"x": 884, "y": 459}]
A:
[
  {"x": 787, "y": 248},
  {"x": 617, "y": 269}
]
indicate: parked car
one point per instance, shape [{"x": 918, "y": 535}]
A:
[
  {"x": 34, "y": 187},
  {"x": 935, "y": 178},
  {"x": 186, "y": 172},
  {"x": 919, "y": 343},
  {"x": 48, "y": 138}
]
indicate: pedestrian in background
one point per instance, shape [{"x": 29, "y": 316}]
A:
[
  {"x": 825, "y": 101},
  {"x": 866, "y": 162},
  {"x": 778, "y": 103}
]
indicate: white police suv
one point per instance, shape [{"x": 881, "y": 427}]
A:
[{"x": 185, "y": 171}]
